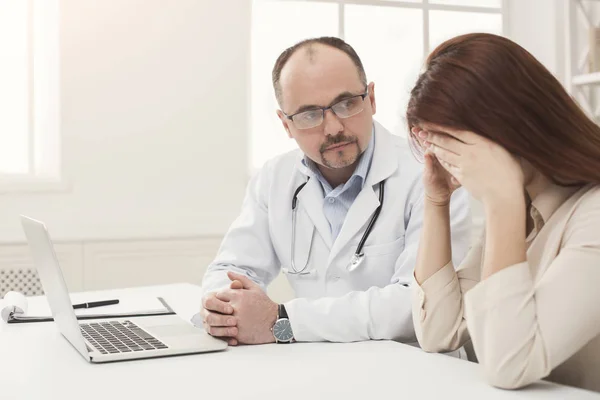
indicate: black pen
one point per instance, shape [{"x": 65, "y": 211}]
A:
[{"x": 95, "y": 304}]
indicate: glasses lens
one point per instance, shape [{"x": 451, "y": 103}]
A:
[
  {"x": 348, "y": 107},
  {"x": 308, "y": 119}
]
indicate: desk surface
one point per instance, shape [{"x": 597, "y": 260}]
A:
[{"x": 36, "y": 362}]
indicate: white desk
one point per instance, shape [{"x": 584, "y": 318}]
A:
[{"x": 36, "y": 362}]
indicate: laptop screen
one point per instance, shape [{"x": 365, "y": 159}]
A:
[{"x": 53, "y": 282}]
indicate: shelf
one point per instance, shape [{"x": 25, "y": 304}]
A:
[{"x": 587, "y": 79}]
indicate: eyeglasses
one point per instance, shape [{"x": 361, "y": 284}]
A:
[
  {"x": 345, "y": 108},
  {"x": 416, "y": 147}
]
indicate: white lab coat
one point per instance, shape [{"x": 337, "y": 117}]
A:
[{"x": 333, "y": 304}]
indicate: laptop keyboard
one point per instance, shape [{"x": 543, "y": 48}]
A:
[{"x": 119, "y": 337}]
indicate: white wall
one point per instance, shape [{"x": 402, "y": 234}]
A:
[
  {"x": 538, "y": 26},
  {"x": 154, "y": 121}
]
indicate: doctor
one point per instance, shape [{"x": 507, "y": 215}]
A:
[{"x": 341, "y": 217}]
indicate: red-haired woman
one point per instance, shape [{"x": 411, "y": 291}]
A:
[{"x": 488, "y": 116}]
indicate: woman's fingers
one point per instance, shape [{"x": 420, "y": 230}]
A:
[
  {"x": 445, "y": 142},
  {"x": 445, "y": 155},
  {"x": 453, "y": 170}
]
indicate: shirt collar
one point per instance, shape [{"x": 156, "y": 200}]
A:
[
  {"x": 362, "y": 168},
  {"x": 550, "y": 199}
]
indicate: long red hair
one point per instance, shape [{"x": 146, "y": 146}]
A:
[{"x": 490, "y": 85}]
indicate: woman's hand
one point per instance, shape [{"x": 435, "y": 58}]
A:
[
  {"x": 439, "y": 184},
  {"x": 489, "y": 172}
]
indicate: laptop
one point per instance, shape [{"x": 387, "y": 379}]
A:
[{"x": 105, "y": 340}]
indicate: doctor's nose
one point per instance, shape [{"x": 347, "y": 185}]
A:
[{"x": 332, "y": 124}]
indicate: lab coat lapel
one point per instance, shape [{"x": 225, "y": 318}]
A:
[
  {"x": 310, "y": 199},
  {"x": 384, "y": 164}
]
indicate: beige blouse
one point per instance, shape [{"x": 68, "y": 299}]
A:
[{"x": 536, "y": 319}]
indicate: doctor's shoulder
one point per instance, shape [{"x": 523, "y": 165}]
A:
[
  {"x": 284, "y": 163},
  {"x": 281, "y": 167},
  {"x": 407, "y": 162}
]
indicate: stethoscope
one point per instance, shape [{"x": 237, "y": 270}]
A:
[{"x": 358, "y": 256}]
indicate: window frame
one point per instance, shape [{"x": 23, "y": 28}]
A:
[
  {"x": 424, "y": 5},
  {"x": 43, "y": 136}
]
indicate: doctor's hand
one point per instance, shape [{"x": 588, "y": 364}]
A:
[
  {"x": 253, "y": 310},
  {"x": 217, "y": 318},
  {"x": 438, "y": 183}
]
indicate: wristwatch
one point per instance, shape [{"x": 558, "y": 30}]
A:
[{"x": 282, "y": 329}]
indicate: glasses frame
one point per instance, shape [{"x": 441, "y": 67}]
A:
[
  {"x": 363, "y": 96},
  {"x": 415, "y": 147}
]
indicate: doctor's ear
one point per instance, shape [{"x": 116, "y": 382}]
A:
[
  {"x": 285, "y": 122},
  {"x": 371, "y": 97}
]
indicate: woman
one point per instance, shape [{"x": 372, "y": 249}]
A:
[{"x": 488, "y": 116}]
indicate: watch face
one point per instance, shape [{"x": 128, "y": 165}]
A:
[{"x": 282, "y": 330}]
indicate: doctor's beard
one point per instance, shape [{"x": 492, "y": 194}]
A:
[{"x": 343, "y": 156}]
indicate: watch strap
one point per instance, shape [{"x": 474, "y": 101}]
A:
[{"x": 282, "y": 313}]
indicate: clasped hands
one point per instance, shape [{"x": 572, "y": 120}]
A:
[{"x": 241, "y": 314}]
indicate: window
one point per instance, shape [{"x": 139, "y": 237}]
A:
[
  {"x": 29, "y": 145},
  {"x": 392, "y": 38}
]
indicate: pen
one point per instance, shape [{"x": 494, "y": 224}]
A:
[{"x": 95, "y": 304}]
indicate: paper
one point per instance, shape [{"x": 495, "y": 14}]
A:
[
  {"x": 13, "y": 303},
  {"x": 126, "y": 305},
  {"x": 15, "y": 307}
]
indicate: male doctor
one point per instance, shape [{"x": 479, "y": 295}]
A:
[{"x": 341, "y": 217}]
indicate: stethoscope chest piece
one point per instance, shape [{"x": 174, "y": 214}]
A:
[{"x": 355, "y": 261}]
